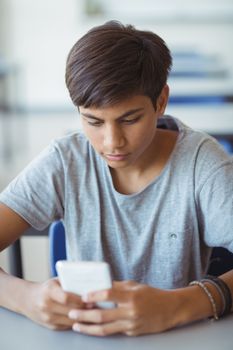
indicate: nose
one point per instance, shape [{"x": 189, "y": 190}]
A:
[{"x": 114, "y": 138}]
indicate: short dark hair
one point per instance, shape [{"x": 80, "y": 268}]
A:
[{"x": 113, "y": 61}]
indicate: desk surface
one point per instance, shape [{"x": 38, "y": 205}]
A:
[{"x": 17, "y": 332}]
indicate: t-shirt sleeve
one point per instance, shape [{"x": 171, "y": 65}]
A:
[
  {"x": 37, "y": 193},
  {"x": 215, "y": 199}
]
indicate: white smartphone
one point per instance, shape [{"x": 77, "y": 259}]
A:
[{"x": 84, "y": 277}]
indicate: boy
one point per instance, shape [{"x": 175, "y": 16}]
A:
[{"x": 140, "y": 190}]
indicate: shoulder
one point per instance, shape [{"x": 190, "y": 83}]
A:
[
  {"x": 209, "y": 155},
  {"x": 198, "y": 152},
  {"x": 71, "y": 142},
  {"x": 72, "y": 147},
  {"x": 203, "y": 146},
  {"x": 63, "y": 153},
  {"x": 211, "y": 163}
]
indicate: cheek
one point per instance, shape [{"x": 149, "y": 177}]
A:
[
  {"x": 143, "y": 135},
  {"x": 93, "y": 136}
]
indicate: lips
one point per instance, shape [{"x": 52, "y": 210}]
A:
[{"x": 116, "y": 157}]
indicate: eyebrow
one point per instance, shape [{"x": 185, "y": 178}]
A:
[{"x": 122, "y": 116}]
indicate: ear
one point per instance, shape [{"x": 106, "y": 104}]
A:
[{"x": 162, "y": 100}]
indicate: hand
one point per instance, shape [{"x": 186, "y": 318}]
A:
[
  {"x": 140, "y": 309},
  {"x": 48, "y": 305}
]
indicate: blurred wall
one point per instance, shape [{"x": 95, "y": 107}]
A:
[{"x": 37, "y": 36}]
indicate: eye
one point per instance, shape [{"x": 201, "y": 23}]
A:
[
  {"x": 92, "y": 122},
  {"x": 95, "y": 123},
  {"x": 131, "y": 121}
]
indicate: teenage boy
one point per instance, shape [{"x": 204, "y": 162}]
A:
[{"x": 138, "y": 189}]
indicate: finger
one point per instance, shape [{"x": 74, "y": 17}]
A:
[
  {"x": 119, "y": 293},
  {"x": 90, "y": 306},
  {"x": 124, "y": 284},
  {"x": 99, "y": 315},
  {"x": 103, "y": 329},
  {"x": 116, "y": 284},
  {"x": 61, "y": 309},
  {"x": 116, "y": 295},
  {"x": 57, "y": 321},
  {"x": 65, "y": 298}
]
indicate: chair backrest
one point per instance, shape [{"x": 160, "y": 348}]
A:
[
  {"x": 227, "y": 145},
  {"x": 57, "y": 245},
  {"x": 221, "y": 261}
]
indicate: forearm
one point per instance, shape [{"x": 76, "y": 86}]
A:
[
  {"x": 228, "y": 279},
  {"x": 193, "y": 304},
  {"x": 13, "y": 292}
]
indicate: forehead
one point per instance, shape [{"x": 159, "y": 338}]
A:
[{"x": 131, "y": 103}]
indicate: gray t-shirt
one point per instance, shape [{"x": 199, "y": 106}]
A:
[{"x": 161, "y": 235}]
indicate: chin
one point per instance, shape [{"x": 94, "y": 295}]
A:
[{"x": 117, "y": 165}]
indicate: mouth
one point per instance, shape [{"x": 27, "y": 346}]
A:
[{"x": 116, "y": 157}]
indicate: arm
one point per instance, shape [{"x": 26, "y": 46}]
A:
[
  {"x": 12, "y": 226},
  {"x": 142, "y": 309},
  {"x": 45, "y": 303}
]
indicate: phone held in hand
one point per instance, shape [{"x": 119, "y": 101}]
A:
[{"x": 82, "y": 277}]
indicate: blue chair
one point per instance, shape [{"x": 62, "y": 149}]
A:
[
  {"x": 57, "y": 245},
  {"x": 221, "y": 259},
  {"x": 227, "y": 145}
]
